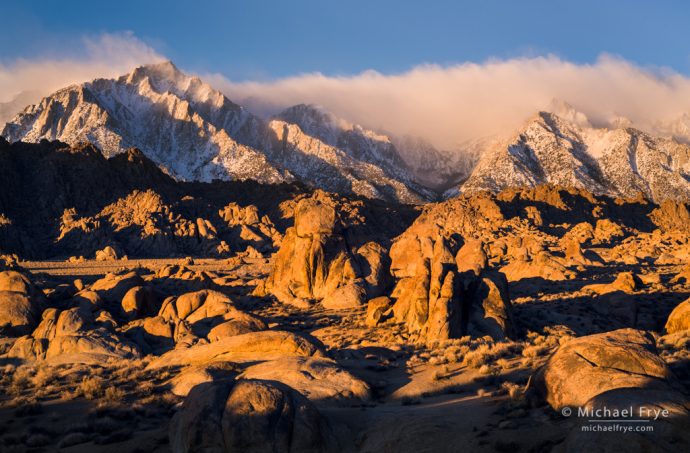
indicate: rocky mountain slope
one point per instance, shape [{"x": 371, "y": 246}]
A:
[
  {"x": 195, "y": 133},
  {"x": 317, "y": 145},
  {"x": 61, "y": 201},
  {"x": 570, "y": 152}
]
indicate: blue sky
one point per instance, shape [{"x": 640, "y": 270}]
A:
[{"x": 263, "y": 40}]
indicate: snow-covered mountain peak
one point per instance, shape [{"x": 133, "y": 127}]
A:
[
  {"x": 620, "y": 122},
  {"x": 550, "y": 149},
  {"x": 165, "y": 77},
  {"x": 568, "y": 113},
  {"x": 194, "y": 132},
  {"x": 319, "y": 122}
]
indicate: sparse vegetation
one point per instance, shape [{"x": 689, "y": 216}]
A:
[
  {"x": 487, "y": 353},
  {"x": 44, "y": 375},
  {"x": 113, "y": 395},
  {"x": 91, "y": 387}
]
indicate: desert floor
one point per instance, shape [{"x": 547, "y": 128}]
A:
[{"x": 459, "y": 395}]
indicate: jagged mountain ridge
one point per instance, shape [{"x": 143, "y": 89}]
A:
[
  {"x": 622, "y": 162},
  {"x": 176, "y": 120},
  {"x": 195, "y": 133},
  {"x": 311, "y": 130}
]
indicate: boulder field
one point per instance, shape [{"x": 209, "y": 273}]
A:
[{"x": 140, "y": 313}]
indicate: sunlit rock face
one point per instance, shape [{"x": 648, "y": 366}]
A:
[
  {"x": 444, "y": 287},
  {"x": 324, "y": 257}
]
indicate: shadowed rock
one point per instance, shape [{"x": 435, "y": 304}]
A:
[
  {"x": 248, "y": 416},
  {"x": 619, "y": 375}
]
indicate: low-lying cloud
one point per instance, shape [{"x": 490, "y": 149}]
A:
[
  {"x": 450, "y": 104},
  {"x": 106, "y": 55},
  {"x": 446, "y": 105}
]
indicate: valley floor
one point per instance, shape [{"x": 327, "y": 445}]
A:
[{"x": 459, "y": 395}]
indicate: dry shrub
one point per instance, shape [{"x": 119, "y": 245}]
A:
[
  {"x": 485, "y": 353},
  {"x": 514, "y": 391},
  {"x": 21, "y": 380},
  {"x": 540, "y": 345},
  {"x": 451, "y": 357},
  {"x": 477, "y": 357},
  {"x": 437, "y": 375},
  {"x": 164, "y": 401},
  {"x": 6, "y": 373},
  {"x": 44, "y": 376},
  {"x": 503, "y": 364},
  {"x": 455, "y": 354},
  {"x": 146, "y": 388},
  {"x": 91, "y": 387},
  {"x": 536, "y": 350},
  {"x": 675, "y": 341},
  {"x": 163, "y": 374},
  {"x": 38, "y": 440},
  {"x": 485, "y": 369},
  {"x": 105, "y": 425},
  {"x": 128, "y": 369},
  {"x": 437, "y": 361},
  {"x": 97, "y": 371},
  {"x": 73, "y": 439},
  {"x": 113, "y": 395}
]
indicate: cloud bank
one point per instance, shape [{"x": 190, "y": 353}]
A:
[
  {"x": 451, "y": 104},
  {"x": 106, "y": 55},
  {"x": 446, "y": 105}
]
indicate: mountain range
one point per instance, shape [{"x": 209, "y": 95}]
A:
[
  {"x": 195, "y": 133},
  {"x": 621, "y": 162}
]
